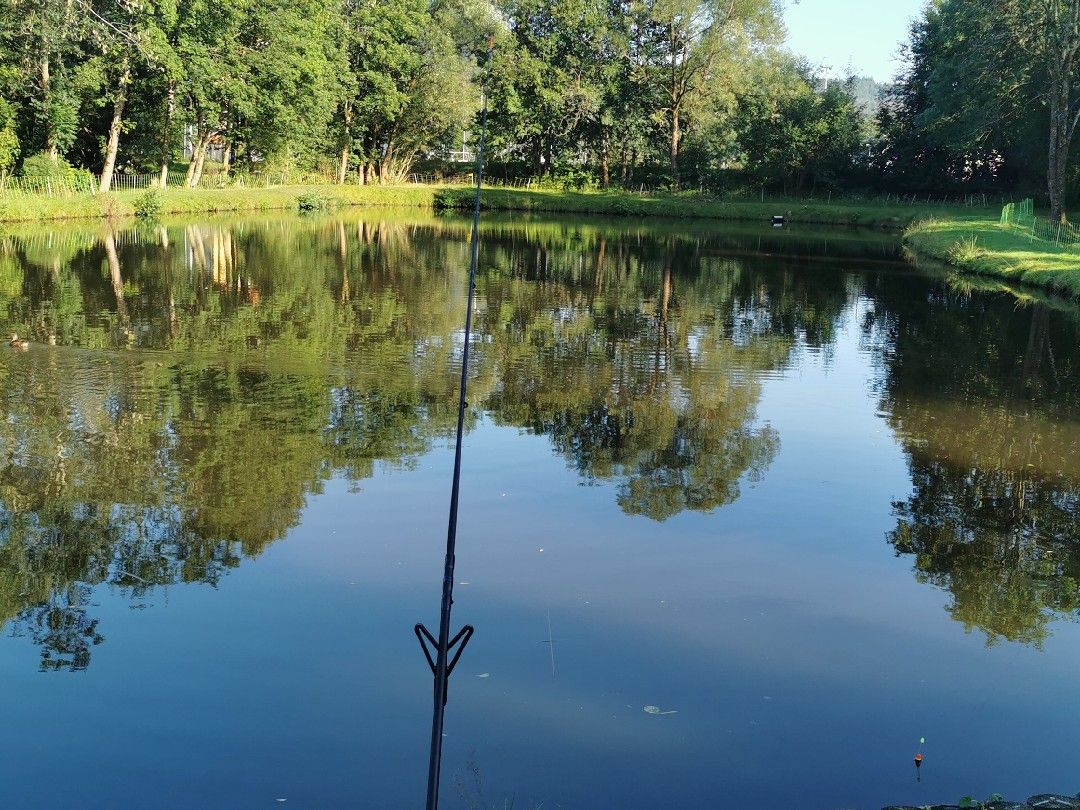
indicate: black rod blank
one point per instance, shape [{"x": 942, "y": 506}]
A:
[{"x": 441, "y": 663}]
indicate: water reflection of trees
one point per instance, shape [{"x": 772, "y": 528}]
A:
[
  {"x": 204, "y": 380},
  {"x": 984, "y": 398}
]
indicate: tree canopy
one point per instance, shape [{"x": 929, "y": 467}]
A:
[{"x": 657, "y": 92}]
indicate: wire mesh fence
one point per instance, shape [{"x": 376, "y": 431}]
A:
[
  {"x": 86, "y": 184},
  {"x": 1022, "y": 216},
  {"x": 77, "y": 184}
]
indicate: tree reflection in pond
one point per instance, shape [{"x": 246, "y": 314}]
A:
[
  {"x": 191, "y": 386},
  {"x": 983, "y": 398}
]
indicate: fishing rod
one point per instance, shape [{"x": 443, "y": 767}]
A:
[{"x": 448, "y": 650}]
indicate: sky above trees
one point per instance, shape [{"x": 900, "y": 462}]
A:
[{"x": 836, "y": 33}]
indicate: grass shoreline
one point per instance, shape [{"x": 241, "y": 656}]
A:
[
  {"x": 984, "y": 247},
  {"x": 969, "y": 239},
  {"x": 122, "y": 204}
]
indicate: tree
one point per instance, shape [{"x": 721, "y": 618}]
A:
[
  {"x": 1051, "y": 30},
  {"x": 689, "y": 53},
  {"x": 974, "y": 389},
  {"x": 793, "y": 133},
  {"x": 295, "y": 60},
  {"x": 990, "y": 69},
  {"x": 410, "y": 84},
  {"x": 130, "y": 34},
  {"x": 210, "y": 78},
  {"x": 548, "y": 79},
  {"x": 45, "y": 41}
]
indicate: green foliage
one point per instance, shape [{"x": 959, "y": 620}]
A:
[
  {"x": 583, "y": 94},
  {"x": 148, "y": 204},
  {"x": 449, "y": 199},
  {"x": 43, "y": 166},
  {"x": 410, "y": 85},
  {"x": 312, "y": 201},
  {"x": 9, "y": 138},
  {"x": 985, "y": 83},
  {"x": 629, "y": 206},
  {"x": 295, "y": 64},
  {"x": 796, "y": 136}
]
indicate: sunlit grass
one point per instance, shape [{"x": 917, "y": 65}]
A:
[
  {"x": 838, "y": 211},
  {"x": 843, "y": 212},
  {"x": 986, "y": 247}
]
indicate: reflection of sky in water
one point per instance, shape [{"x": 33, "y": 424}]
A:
[{"x": 802, "y": 658}]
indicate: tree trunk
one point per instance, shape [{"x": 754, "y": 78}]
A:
[
  {"x": 346, "y": 146},
  {"x": 227, "y": 159},
  {"x": 199, "y": 159},
  {"x": 166, "y": 140},
  {"x": 386, "y": 164},
  {"x": 51, "y": 146},
  {"x": 1062, "y": 37},
  {"x": 196, "y": 148},
  {"x": 1059, "y": 151},
  {"x": 676, "y": 137},
  {"x": 605, "y": 165},
  {"x": 115, "y": 277},
  {"x": 343, "y": 165},
  {"x": 115, "y": 126},
  {"x": 675, "y": 96}
]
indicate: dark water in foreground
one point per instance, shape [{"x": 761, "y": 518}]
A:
[{"x": 814, "y": 504}]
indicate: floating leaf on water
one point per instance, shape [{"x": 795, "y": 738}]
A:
[{"x": 658, "y": 710}]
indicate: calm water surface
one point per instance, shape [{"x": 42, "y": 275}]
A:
[{"x": 810, "y": 502}]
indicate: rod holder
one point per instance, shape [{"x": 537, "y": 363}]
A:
[{"x": 456, "y": 646}]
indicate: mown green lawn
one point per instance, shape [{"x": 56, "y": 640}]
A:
[
  {"x": 896, "y": 216},
  {"x": 988, "y": 248}
]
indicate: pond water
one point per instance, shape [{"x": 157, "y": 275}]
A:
[{"x": 808, "y": 501}]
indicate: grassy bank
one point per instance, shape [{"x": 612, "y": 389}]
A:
[
  {"x": 195, "y": 201},
  {"x": 985, "y": 247},
  {"x": 841, "y": 212},
  {"x": 37, "y": 208}
]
